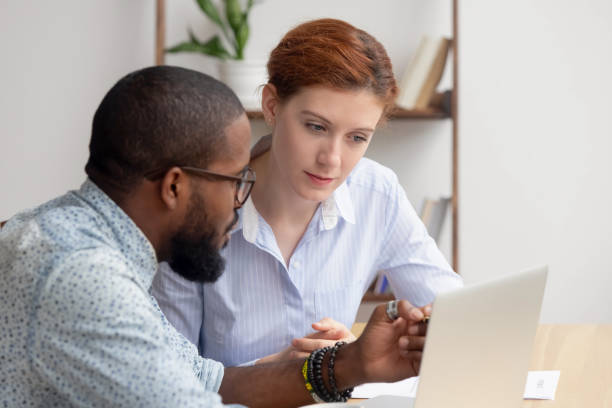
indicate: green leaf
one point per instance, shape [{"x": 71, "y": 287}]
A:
[
  {"x": 192, "y": 37},
  {"x": 233, "y": 12},
  {"x": 212, "y": 47},
  {"x": 186, "y": 46},
  {"x": 215, "y": 47},
  {"x": 211, "y": 11},
  {"x": 242, "y": 35}
]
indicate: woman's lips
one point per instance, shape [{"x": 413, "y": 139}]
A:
[{"x": 320, "y": 181}]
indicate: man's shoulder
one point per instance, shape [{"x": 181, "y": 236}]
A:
[
  {"x": 60, "y": 233},
  {"x": 64, "y": 226},
  {"x": 70, "y": 221}
]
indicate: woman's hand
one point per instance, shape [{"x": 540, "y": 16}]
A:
[{"x": 328, "y": 332}]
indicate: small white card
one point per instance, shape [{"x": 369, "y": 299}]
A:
[{"x": 540, "y": 385}]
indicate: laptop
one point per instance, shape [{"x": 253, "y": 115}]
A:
[{"x": 478, "y": 345}]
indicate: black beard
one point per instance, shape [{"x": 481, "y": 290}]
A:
[
  {"x": 194, "y": 255},
  {"x": 196, "y": 260}
]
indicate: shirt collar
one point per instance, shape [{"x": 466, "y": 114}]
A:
[
  {"x": 131, "y": 241},
  {"x": 339, "y": 204},
  {"x": 249, "y": 220},
  {"x": 342, "y": 202}
]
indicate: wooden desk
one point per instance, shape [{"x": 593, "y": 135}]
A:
[{"x": 583, "y": 354}]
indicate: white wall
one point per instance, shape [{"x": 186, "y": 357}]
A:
[
  {"x": 534, "y": 81},
  {"x": 58, "y": 60},
  {"x": 536, "y": 140}
]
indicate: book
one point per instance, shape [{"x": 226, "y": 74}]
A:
[
  {"x": 433, "y": 214},
  {"x": 382, "y": 284},
  {"x": 421, "y": 77}
]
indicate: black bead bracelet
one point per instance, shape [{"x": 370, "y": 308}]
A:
[{"x": 314, "y": 375}]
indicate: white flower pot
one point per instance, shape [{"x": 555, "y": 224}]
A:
[{"x": 245, "y": 78}]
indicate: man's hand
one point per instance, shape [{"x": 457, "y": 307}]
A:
[
  {"x": 386, "y": 350},
  {"x": 328, "y": 332}
]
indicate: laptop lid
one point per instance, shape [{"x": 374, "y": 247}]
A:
[{"x": 479, "y": 343}]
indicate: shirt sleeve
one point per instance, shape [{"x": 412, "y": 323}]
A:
[
  {"x": 181, "y": 301},
  {"x": 414, "y": 265},
  {"x": 97, "y": 338}
]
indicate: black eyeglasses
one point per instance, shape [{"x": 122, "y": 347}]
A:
[{"x": 244, "y": 182}]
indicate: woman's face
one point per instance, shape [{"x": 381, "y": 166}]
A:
[{"x": 319, "y": 136}]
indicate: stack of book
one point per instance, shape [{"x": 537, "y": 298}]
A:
[{"x": 420, "y": 80}]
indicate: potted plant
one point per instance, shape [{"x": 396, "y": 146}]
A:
[{"x": 243, "y": 76}]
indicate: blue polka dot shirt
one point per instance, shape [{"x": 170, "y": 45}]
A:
[{"x": 78, "y": 326}]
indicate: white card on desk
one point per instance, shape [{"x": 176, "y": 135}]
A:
[{"x": 540, "y": 385}]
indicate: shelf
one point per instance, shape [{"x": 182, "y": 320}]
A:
[
  {"x": 373, "y": 297},
  {"x": 254, "y": 114},
  {"x": 397, "y": 113},
  {"x": 429, "y": 113}
]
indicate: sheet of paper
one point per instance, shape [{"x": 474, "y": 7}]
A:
[
  {"x": 540, "y": 385},
  {"x": 404, "y": 388}
]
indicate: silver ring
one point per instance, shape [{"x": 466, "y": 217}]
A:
[{"x": 392, "y": 312}]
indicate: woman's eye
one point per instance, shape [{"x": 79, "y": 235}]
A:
[
  {"x": 359, "y": 138},
  {"x": 315, "y": 127}
]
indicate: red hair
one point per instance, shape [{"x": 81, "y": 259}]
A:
[{"x": 335, "y": 54}]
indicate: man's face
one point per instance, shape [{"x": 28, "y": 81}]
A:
[{"x": 212, "y": 211}]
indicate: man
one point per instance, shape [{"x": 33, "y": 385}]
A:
[{"x": 167, "y": 170}]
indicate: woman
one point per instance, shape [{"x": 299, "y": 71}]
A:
[{"x": 321, "y": 221}]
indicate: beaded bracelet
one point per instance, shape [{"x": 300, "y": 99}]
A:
[
  {"x": 312, "y": 371},
  {"x": 317, "y": 357},
  {"x": 338, "y": 396},
  {"x": 309, "y": 388}
]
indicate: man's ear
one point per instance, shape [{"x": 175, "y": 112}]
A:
[
  {"x": 174, "y": 188},
  {"x": 269, "y": 103}
]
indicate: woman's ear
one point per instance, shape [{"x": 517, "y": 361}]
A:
[{"x": 269, "y": 103}]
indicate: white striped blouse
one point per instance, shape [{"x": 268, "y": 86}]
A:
[{"x": 260, "y": 304}]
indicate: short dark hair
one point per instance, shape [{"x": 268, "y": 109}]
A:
[{"x": 156, "y": 118}]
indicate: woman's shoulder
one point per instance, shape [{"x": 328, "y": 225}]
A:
[{"x": 371, "y": 175}]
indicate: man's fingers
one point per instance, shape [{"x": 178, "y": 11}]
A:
[
  {"x": 409, "y": 312},
  {"x": 414, "y": 359},
  {"x": 408, "y": 343},
  {"x": 405, "y": 310},
  {"x": 412, "y": 355},
  {"x": 417, "y": 329}
]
